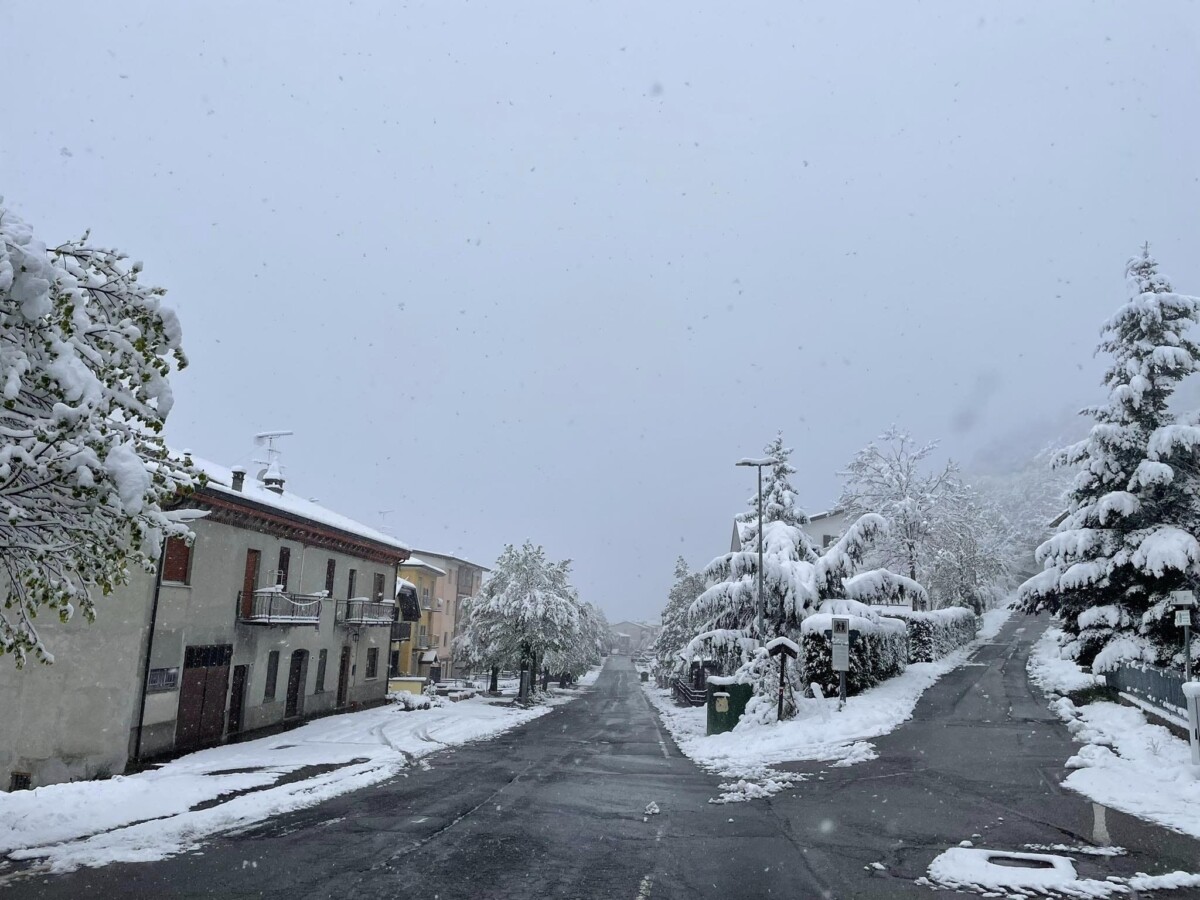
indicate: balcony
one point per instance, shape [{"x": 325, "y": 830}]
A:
[
  {"x": 272, "y": 606},
  {"x": 361, "y": 611},
  {"x": 401, "y": 631}
]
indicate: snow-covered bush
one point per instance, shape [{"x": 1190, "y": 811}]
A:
[
  {"x": 409, "y": 702},
  {"x": 762, "y": 674},
  {"x": 878, "y": 647},
  {"x": 931, "y": 635},
  {"x": 85, "y": 357}
]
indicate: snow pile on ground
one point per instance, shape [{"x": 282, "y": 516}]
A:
[
  {"x": 589, "y": 677},
  {"x": 819, "y": 731},
  {"x": 154, "y": 814},
  {"x": 1126, "y": 762},
  {"x": 1053, "y": 674},
  {"x": 962, "y": 868},
  {"x": 1129, "y": 764}
]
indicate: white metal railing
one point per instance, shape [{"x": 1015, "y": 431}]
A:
[{"x": 271, "y": 606}]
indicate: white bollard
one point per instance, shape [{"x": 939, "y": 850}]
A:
[{"x": 1191, "y": 691}]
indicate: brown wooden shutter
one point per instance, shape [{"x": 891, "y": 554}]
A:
[
  {"x": 330, "y": 572},
  {"x": 250, "y": 582},
  {"x": 377, "y": 593},
  {"x": 350, "y": 584},
  {"x": 285, "y": 562},
  {"x": 177, "y": 561}
]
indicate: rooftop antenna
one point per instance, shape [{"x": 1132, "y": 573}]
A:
[{"x": 273, "y": 452}]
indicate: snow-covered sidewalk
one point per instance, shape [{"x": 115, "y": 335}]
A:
[
  {"x": 1126, "y": 763},
  {"x": 171, "y": 809},
  {"x": 819, "y": 732}
]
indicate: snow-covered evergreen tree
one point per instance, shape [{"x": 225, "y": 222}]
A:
[
  {"x": 796, "y": 577},
  {"x": 1129, "y": 537},
  {"x": 676, "y": 618},
  {"x": 889, "y": 477},
  {"x": 85, "y": 355}
]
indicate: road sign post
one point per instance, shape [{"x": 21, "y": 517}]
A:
[
  {"x": 840, "y": 644},
  {"x": 1184, "y": 602}
]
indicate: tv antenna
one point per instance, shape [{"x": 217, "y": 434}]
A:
[{"x": 269, "y": 438}]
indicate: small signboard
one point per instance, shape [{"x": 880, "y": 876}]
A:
[
  {"x": 841, "y": 657},
  {"x": 783, "y": 645},
  {"x": 841, "y": 630},
  {"x": 1183, "y": 617}
]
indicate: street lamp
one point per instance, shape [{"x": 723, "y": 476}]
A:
[
  {"x": 1184, "y": 602},
  {"x": 758, "y": 611}
]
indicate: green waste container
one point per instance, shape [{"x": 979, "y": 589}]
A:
[{"x": 726, "y": 703}]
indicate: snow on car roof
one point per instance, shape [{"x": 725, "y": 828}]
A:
[{"x": 220, "y": 479}]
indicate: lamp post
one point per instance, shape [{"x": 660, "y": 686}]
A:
[
  {"x": 1184, "y": 602},
  {"x": 758, "y": 606}
]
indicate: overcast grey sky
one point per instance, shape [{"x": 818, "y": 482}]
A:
[{"x": 548, "y": 269}]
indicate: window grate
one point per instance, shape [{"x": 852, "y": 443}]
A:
[{"x": 20, "y": 781}]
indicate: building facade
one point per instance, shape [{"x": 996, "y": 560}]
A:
[
  {"x": 420, "y": 655},
  {"x": 461, "y": 579},
  {"x": 278, "y": 611}
]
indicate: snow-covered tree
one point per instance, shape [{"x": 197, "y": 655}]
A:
[
  {"x": 796, "y": 580},
  {"x": 1129, "y": 536},
  {"x": 527, "y": 612},
  {"x": 890, "y": 477},
  {"x": 972, "y": 556},
  {"x": 676, "y": 618},
  {"x": 85, "y": 354}
]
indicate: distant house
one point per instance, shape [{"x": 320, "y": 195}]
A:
[
  {"x": 633, "y": 637},
  {"x": 824, "y": 528},
  {"x": 280, "y": 610}
]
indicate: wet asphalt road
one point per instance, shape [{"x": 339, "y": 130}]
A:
[{"x": 555, "y": 809}]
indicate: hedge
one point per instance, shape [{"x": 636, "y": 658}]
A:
[
  {"x": 931, "y": 635},
  {"x": 878, "y": 650}
]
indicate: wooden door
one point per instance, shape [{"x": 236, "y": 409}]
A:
[
  {"x": 250, "y": 582},
  {"x": 212, "y": 717},
  {"x": 237, "y": 698},
  {"x": 201, "y": 716},
  {"x": 295, "y": 685},
  {"x": 191, "y": 707},
  {"x": 344, "y": 678}
]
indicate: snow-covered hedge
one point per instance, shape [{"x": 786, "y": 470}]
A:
[
  {"x": 931, "y": 635},
  {"x": 878, "y": 647}
]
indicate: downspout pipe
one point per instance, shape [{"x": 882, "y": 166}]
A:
[{"x": 162, "y": 558}]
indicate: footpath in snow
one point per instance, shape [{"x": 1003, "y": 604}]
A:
[
  {"x": 170, "y": 809},
  {"x": 818, "y": 732},
  {"x": 1126, "y": 763}
]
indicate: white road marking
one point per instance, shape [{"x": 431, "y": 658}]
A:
[{"x": 662, "y": 745}]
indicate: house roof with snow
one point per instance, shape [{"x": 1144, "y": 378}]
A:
[
  {"x": 415, "y": 562},
  {"x": 457, "y": 559},
  {"x": 284, "y": 509}
]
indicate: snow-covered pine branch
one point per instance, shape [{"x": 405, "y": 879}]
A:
[
  {"x": 86, "y": 350},
  {"x": 1132, "y": 509}
]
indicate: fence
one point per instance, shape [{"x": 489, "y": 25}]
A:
[{"x": 1162, "y": 687}]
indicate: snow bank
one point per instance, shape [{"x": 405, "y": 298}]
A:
[
  {"x": 152, "y": 815},
  {"x": 1051, "y": 672}
]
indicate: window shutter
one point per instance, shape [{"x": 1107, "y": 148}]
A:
[
  {"x": 177, "y": 562},
  {"x": 330, "y": 571},
  {"x": 285, "y": 561}
]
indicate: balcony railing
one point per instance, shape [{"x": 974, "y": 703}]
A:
[
  {"x": 401, "y": 631},
  {"x": 274, "y": 607},
  {"x": 362, "y": 611}
]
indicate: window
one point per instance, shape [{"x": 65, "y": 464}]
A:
[
  {"x": 272, "y": 676},
  {"x": 422, "y": 635},
  {"x": 330, "y": 572},
  {"x": 177, "y": 561},
  {"x": 372, "y": 662},
  {"x": 377, "y": 587},
  {"x": 393, "y": 664},
  {"x": 321, "y": 669},
  {"x": 425, "y": 597},
  {"x": 162, "y": 680},
  {"x": 285, "y": 562},
  {"x": 350, "y": 582}
]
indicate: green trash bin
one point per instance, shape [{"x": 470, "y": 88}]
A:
[{"x": 726, "y": 703}]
